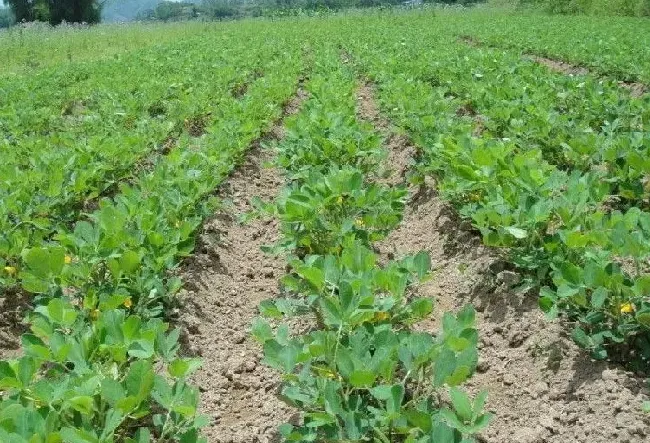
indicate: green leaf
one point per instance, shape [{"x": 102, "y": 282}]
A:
[
  {"x": 517, "y": 233},
  {"x": 8, "y": 376},
  {"x": 451, "y": 419},
  {"x": 113, "y": 420},
  {"x": 82, "y": 403},
  {"x": 131, "y": 328},
  {"x": 359, "y": 379},
  {"x": 332, "y": 397},
  {"x": 581, "y": 337},
  {"x": 460, "y": 374},
  {"x": 26, "y": 370},
  {"x": 180, "y": 368},
  {"x": 44, "y": 262},
  {"x": 34, "y": 284},
  {"x": 318, "y": 419},
  {"x": 112, "y": 391},
  {"x": 314, "y": 276},
  {"x": 422, "y": 262},
  {"x": 129, "y": 262},
  {"x": 643, "y": 318},
  {"x": 598, "y": 297},
  {"x": 421, "y": 308},
  {"x": 73, "y": 435},
  {"x": 461, "y": 404},
  {"x": 61, "y": 312},
  {"x": 419, "y": 419},
  {"x": 261, "y": 330},
  {"x": 35, "y": 347},
  {"x": 139, "y": 379},
  {"x": 566, "y": 291},
  {"x": 382, "y": 392}
]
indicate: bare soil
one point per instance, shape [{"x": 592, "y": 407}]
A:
[
  {"x": 559, "y": 66},
  {"x": 14, "y": 306},
  {"x": 542, "y": 387},
  {"x": 400, "y": 152},
  {"x": 636, "y": 89},
  {"x": 225, "y": 281}
]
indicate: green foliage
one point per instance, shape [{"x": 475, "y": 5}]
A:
[
  {"x": 170, "y": 11},
  {"x": 638, "y": 8},
  {"x": 98, "y": 364},
  {"x": 100, "y": 380},
  {"x": 320, "y": 215},
  {"x": 99, "y": 208},
  {"x": 565, "y": 196},
  {"x": 618, "y": 47},
  {"x": 363, "y": 374}
]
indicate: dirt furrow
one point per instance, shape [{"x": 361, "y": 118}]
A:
[
  {"x": 636, "y": 89},
  {"x": 399, "y": 150},
  {"x": 225, "y": 281},
  {"x": 14, "y": 306},
  {"x": 542, "y": 388}
]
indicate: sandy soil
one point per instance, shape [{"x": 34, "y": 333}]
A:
[
  {"x": 14, "y": 306},
  {"x": 225, "y": 281}
]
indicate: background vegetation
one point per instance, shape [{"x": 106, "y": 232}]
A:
[
  {"x": 94, "y": 11},
  {"x": 635, "y": 8}
]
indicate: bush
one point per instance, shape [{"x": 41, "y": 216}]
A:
[{"x": 638, "y": 8}]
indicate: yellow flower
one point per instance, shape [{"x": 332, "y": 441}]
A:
[
  {"x": 340, "y": 200},
  {"x": 177, "y": 224},
  {"x": 94, "y": 314},
  {"x": 326, "y": 372},
  {"x": 10, "y": 270},
  {"x": 67, "y": 259},
  {"x": 128, "y": 303},
  {"x": 329, "y": 373},
  {"x": 359, "y": 222},
  {"x": 381, "y": 316},
  {"x": 627, "y": 308}
]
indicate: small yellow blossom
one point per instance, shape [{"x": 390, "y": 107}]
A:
[
  {"x": 627, "y": 308},
  {"x": 340, "y": 200},
  {"x": 359, "y": 222},
  {"x": 10, "y": 270},
  {"x": 128, "y": 303},
  {"x": 94, "y": 314},
  {"x": 329, "y": 373},
  {"x": 177, "y": 224},
  {"x": 381, "y": 316},
  {"x": 68, "y": 259},
  {"x": 326, "y": 372}
]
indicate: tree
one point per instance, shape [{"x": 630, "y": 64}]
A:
[
  {"x": 57, "y": 11},
  {"x": 75, "y": 11},
  {"x": 6, "y": 17},
  {"x": 220, "y": 9},
  {"x": 23, "y": 10}
]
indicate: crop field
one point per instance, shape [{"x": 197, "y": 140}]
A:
[{"x": 394, "y": 227}]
